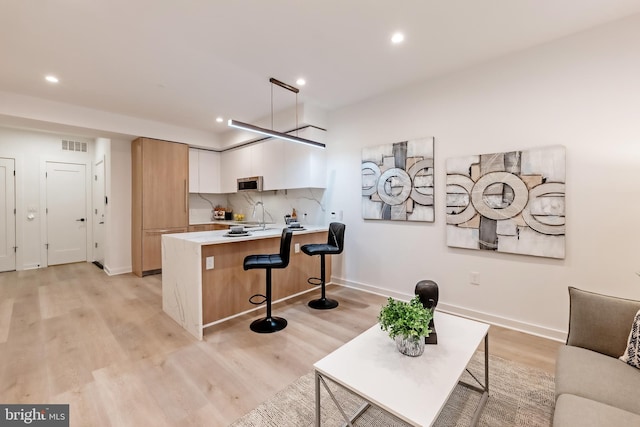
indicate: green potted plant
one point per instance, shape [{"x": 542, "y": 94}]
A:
[{"x": 407, "y": 323}]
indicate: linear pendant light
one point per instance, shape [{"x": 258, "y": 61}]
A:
[
  {"x": 256, "y": 129},
  {"x": 272, "y": 133}
]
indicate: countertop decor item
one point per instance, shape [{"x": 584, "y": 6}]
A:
[
  {"x": 407, "y": 323},
  {"x": 427, "y": 290}
]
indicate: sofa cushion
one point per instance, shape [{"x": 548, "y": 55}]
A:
[
  {"x": 631, "y": 355},
  {"x": 599, "y": 322},
  {"x": 576, "y": 411},
  {"x": 598, "y": 377}
]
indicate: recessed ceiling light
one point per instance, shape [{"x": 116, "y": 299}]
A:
[
  {"x": 51, "y": 79},
  {"x": 301, "y": 82},
  {"x": 397, "y": 38},
  {"x": 219, "y": 119}
]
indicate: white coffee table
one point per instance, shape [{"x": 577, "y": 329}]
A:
[{"x": 414, "y": 389}]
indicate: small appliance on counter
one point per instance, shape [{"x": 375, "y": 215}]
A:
[{"x": 218, "y": 212}]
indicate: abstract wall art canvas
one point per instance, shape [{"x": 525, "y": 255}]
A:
[
  {"x": 508, "y": 202},
  {"x": 397, "y": 181}
]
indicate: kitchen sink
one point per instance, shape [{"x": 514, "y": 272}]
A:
[
  {"x": 250, "y": 223},
  {"x": 259, "y": 228}
]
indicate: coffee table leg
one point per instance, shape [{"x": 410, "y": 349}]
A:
[
  {"x": 349, "y": 421},
  {"x": 486, "y": 363},
  {"x": 485, "y": 388},
  {"x": 317, "y": 399}
]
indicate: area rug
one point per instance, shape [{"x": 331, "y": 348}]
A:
[{"x": 518, "y": 396}]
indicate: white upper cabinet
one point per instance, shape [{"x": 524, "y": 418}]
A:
[
  {"x": 204, "y": 171},
  {"x": 209, "y": 171},
  {"x": 194, "y": 180},
  {"x": 270, "y": 161},
  {"x": 234, "y": 164},
  {"x": 282, "y": 164},
  {"x": 305, "y": 164}
]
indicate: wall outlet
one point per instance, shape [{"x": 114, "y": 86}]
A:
[
  {"x": 474, "y": 278},
  {"x": 209, "y": 263},
  {"x": 296, "y": 248}
]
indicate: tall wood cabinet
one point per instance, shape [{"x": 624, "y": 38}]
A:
[{"x": 160, "y": 199}]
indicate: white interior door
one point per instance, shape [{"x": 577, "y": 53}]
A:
[
  {"x": 98, "y": 212},
  {"x": 7, "y": 215},
  {"x": 66, "y": 213}
]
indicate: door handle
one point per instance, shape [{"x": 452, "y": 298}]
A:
[{"x": 81, "y": 219}]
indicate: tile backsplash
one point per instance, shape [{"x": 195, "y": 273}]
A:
[{"x": 309, "y": 204}]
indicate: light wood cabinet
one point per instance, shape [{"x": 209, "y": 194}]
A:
[
  {"x": 227, "y": 288},
  {"x": 152, "y": 249},
  {"x": 160, "y": 173},
  {"x": 208, "y": 227}
]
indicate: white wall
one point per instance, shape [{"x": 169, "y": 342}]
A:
[
  {"x": 24, "y": 108},
  {"x": 582, "y": 92},
  {"x": 31, "y": 150},
  {"x": 118, "y": 230}
]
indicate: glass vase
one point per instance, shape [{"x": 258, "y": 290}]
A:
[{"x": 410, "y": 346}]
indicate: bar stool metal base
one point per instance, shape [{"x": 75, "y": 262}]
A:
[
  {"x": 323, "y": 304},
  {"x": 266, "y": 325}
]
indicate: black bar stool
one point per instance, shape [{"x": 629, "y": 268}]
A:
[
  {"x": 334, "y": 246},
  {"x": 281, "y": 260}
]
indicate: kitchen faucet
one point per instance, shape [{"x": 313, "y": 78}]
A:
[{"x": 254, "y": 213}]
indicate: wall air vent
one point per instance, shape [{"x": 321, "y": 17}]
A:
[{"x": 74, "y": 146}]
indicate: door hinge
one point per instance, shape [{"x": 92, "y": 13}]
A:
[
  {"x": 15, "y": 249},
  {"x": 106, "y": 201},
  {"x": 95, "y": 177},
  {"x": 47, "y": 210},
  {"x": 46, "y": 245},
  {"x": 96, "y": 245}
]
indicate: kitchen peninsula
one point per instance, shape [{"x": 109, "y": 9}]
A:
[{"x": 204, "y": 283}]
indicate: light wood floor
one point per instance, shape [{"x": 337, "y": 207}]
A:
[{"x": 72, "y": 334}]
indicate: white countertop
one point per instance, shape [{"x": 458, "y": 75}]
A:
[{"x": 219, "y": 236}]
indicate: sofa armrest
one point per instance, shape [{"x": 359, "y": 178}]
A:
[{"x": 599, "y": 322}]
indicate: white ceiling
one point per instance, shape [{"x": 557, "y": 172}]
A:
[{"x": 185, "y": 62}]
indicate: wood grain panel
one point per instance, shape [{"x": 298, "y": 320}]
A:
[
  {"x": 208, "y": 227},
  {"x": 160, "y": 170},
  {"x": 227, "y": 288},
  {"x": 165, "y": 174},
  {"x": 152, "y": 248}
]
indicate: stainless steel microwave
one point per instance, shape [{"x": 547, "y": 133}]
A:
[{"x": 253, "y": 183}]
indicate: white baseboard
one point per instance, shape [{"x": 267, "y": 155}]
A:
[
  {"x": 529, "y": 328},
  {"x": 117, "y": 270}
]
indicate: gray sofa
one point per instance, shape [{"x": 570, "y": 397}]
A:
[{"x": 593, "y": 387}]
